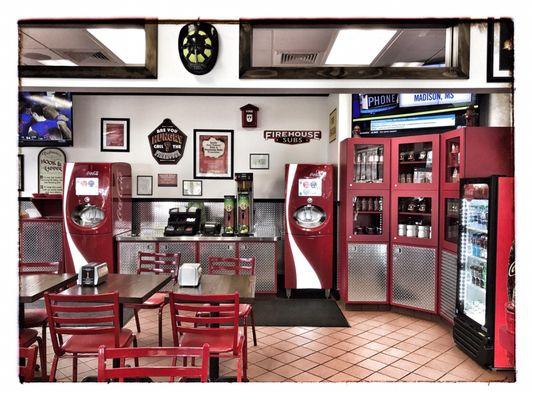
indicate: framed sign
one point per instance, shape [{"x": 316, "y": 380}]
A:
[
  {"x": 333, "y": 125},
  {"x": 500, "y": 50},
  {"x": 144, "y": 185},
  {"x": 213, "y": 154},
  {"x": 259, "y": 161},
  {"x": 167, "y": 143},
  {"x": 115, "y": 134},
  {"x": 292, "y": 137},
  {"x": 50, "y": 164},
  {"x": 21, "y": 172},
  {"x": 167, "y": 180},
  {"x": 192, "y": 188}
]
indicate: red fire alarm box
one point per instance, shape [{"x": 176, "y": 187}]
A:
[{"x": 249, "y": 116}]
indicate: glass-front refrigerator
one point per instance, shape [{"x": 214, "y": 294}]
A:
[{"x": 486, "y": 234}]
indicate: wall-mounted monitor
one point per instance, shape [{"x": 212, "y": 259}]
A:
[{"x": 45, "y": 119}]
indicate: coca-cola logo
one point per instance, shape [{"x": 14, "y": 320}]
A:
[
  {"x": 92, "y": 173},
  {"x": 511, "y": 271}
]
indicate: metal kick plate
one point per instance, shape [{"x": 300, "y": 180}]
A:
[{"x": 367, "y": 272}]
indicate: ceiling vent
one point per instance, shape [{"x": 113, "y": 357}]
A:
[
  {"x": 100, "y": 56},
  {"x": 299, "y": 58},
  {"x": 87, "y": 57}
]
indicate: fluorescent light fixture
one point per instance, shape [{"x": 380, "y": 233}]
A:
[
  {"x": 58, "y": 63},
  {"x": 128, "y": 44},
  {"x": 358, "y": 46},
  {"x": 407, "y": 64}
]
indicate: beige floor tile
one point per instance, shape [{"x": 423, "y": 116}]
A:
[
  {"x": 323, "y": 371},
  {"x": 304, "y": 364},
  {"x": 430, "y": 373},
  {"x": 306, "y": 377},
  {"x": 378, "y": 377},
  {"x": 287, "y": 371},
  {"x": 393, "y": 372},
  {"x": 342, "y": 377},
  {"x": 384, "y": 358},
  {"x": 338, "y": 364},
  {"x": 358, "y": 371},
  {"x": 319, "y": 358}
]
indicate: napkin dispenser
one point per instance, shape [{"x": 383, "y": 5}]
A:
[
  {"x": 189, "y": 274},
  {"x": 93, "y": 274}
]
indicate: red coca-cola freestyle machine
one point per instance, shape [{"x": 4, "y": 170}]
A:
[
  {"x": 309, "y": 229},
  {"x": 96, "y": 207}
]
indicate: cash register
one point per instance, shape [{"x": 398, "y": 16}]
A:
[{"x": 183, "y": 221}]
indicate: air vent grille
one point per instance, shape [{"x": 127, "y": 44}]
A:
[
  {"x": 298, "y": 58},
  {"x": 99, "y": 55}
]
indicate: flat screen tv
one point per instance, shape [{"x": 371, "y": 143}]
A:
[
  {"x": 399, "y": 114},
  {"x": 45, "y": 119}
]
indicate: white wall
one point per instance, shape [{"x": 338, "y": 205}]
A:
[{"x": 195, "y": 112}]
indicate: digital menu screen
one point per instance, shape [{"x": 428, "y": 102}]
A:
[
  {"x": 86, "y": 186},
  {"x": 310, "y": 187}
]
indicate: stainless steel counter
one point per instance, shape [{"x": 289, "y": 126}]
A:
[{"x": 156, "y": 235}]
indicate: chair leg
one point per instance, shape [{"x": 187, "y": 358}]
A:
[
  {"x": 42, "y": 354},
  {"x": 245, "y": 361},
  {"x": 74, "y": 368},
  {"x": 239, "y": 368},
  {"x": 43, "y": 351},
  {"x": 160, "y": 317},
  {"x": 137, "y": 322},
  {"x": 136, "y": 359},
  {"x": 252, "y": 319},
  {"x": 53, "y": 370}
]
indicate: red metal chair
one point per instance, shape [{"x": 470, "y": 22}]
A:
[
  {"x": 89, "y": 325},
  {"x": 29, "y": 357},
  {"x": 36, "y": 317},
  {"x": 156, "y": 263},
  {"x": 28, "y": 337},
  {"x": 105, "y": 373},
  {"x": 237, "y": 266},
  {"x": 220, "y": 328}
]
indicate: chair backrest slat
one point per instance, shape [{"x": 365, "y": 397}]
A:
[
  {"x": 183, "y": 320},
  {"x": 201, "y": 370},
  {"x": 82, "y": 315},
  {"x": 31, "y": 268},
  {"x": 159, "y": 263},
  {"x": 29, "y": 356},
  {"x": 237, "y": 265}
]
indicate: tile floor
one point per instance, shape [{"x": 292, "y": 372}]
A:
[{"x": 379, "y": 346}]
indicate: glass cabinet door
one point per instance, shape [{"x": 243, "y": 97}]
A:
[
  {"x": 451, "y": 220},
  {"x": 452, "y": 160},
  {"x": 415, "y": 162},
  {"x": 367, "y": 215},
  {"x": 368, "y": 163},
  {"x": 415, "y": 217}
]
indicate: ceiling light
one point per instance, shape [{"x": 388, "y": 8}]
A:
[
  {"x": 127, "y": 44},
  {"x": 58, "y": 63},
  {"x": 358, "y": 46}
]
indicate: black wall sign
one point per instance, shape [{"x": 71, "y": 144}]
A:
[
  {"x": 198, "y": 47},
  {"x": 292, "y": 137},
  {"x": 167, "y": 143}
]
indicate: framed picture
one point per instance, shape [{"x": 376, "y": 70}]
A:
[
  {"x": 167, "y": 180},
  {"x": 333, "y": 125},
  {"x": 192, "y": 188},
  {"x": 21, "y": 172},
  {"x": 144, "y": 185},
  {"x": 115, "y": 134},
  {"x": 213, "y": 154},
  {"x": 259, "y": 161},
  {"x": 500, "y": 50}
]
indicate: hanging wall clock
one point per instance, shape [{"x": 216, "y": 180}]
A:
[{"x": 198, "y": 47}]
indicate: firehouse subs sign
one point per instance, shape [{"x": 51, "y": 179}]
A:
[
  {"x": 292, "y": 137},
  {"x": 167, "y": 143}
]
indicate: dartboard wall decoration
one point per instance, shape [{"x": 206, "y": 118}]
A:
[{"x": 198, "y": 46}]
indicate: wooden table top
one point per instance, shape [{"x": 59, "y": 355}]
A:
[
  {"x": 222, "y": 284},
  {"x": 131, "y": 288},
  {"x": 32, "y": 287}
]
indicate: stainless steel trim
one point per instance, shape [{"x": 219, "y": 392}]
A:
[{"x": 157, "y": 236}]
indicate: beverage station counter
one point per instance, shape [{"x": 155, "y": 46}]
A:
[{"x": 157, "y": 235}]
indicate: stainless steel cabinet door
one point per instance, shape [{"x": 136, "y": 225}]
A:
[
  {"x": 216, "y": 249},
  {"x": 265, "y": 264},
  {"x": 413, "y": 277},
  {"x": 448, "y": 284},
  {"x": 128, "y": 255},
  {"x": 186, "y": 249},
  {"x": 367, "y": 273}
]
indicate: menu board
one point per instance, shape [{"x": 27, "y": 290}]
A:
[
  {"x": 310, "y": 187},
  {"x": 50, "y": 163}
]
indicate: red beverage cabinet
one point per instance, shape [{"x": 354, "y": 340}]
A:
[
  {"x": 473, "y": 152},
  {"x": 449, "y": 223},
  {"x": 415, "y": 162},
  {"x": 414, "y": 239}
]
